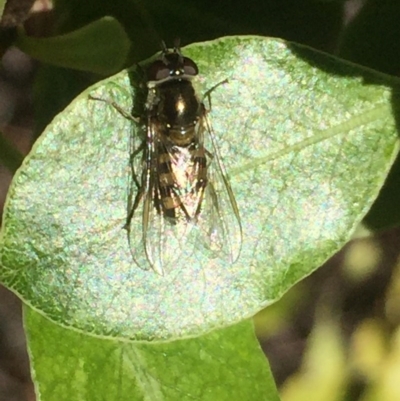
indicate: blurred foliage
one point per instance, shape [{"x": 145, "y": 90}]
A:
[{"x": 346, "y": 319}]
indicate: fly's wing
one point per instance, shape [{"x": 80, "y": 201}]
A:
[
  {"x": 137, "y": 151},
  {"x": 165, "y": 241},
  {"x": 157, "y": 241},
  {"x": 218, "y": 224}
]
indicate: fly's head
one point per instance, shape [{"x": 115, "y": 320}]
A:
[{"x": 171, "y": 65}]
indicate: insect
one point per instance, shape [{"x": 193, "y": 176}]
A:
[{"x": 186, "y": 200}]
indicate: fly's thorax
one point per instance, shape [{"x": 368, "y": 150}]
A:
[{"x": 174, "y": 104}]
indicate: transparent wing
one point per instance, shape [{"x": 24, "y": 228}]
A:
[
  {"x": 155, "y": 240},
  {"x": 218, "y": 225},
  {"x": 165, "y": 242}
]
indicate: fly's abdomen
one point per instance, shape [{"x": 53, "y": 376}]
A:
[{"x": 182, "y": 177}]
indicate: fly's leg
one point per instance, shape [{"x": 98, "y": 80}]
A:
[
  {"x": 201, "y": 188},
  {"x": 136, "y": 120},
  {"x": 120, "y": 110},
  {"x": 132, "y": 157},
  {"x": 202, "y": 185},
  {"x": 134, "y": 183},
  {"x": 209, "y": 154},
  {"x": 212, "y": 89},
  {"x": 138, "y": 198},
  {"x": 133, "y": 154}
]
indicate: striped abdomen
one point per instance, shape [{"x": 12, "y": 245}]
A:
[{"x": 182, "y": 178}]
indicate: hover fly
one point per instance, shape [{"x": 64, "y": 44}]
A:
[{"x": 185, "y": 199}]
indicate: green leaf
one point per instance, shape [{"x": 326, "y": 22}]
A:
[
  {"x": 101, "y": 47},
  {"x": 307, "y": 140},
  {"x": 227, "y": 364}
]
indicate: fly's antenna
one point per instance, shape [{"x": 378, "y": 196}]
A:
[
  {"x": 177, "y": 45},
  {"x": 177, "y": 49},
  {"x": 163, "y": 46},
  {"x": 164, "y": 51}
]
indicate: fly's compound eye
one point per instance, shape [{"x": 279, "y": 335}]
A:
[
  {"x": 190, "y": 67},
  {"x": 157, "y": 71},
  {"x": 172, "y": 65}
]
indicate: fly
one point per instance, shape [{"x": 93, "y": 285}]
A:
[{"x": 183, "y": 192}]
